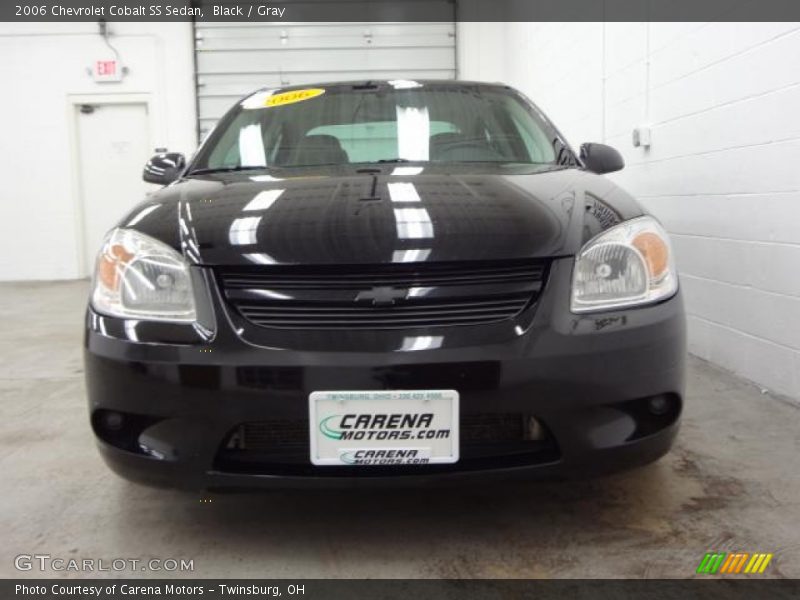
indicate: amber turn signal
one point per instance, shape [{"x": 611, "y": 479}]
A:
[
  {"x": 108, "y": 265},
  {"x": 655, "y": 253}
]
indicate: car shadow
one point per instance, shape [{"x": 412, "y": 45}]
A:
[{"x": 359, "y": 527}]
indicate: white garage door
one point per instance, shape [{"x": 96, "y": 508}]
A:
[{"x": 236, "y": 58}]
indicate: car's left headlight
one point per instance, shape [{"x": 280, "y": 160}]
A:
[
  {"x": 630, "y": 264},
  {"x": 139, "y": 277}
]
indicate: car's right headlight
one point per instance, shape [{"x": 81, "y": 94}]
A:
[
  {"x": 139, "y": 277},
  {"x": 630, "y": 264}
]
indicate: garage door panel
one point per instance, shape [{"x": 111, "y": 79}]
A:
[
  {"x": 312, "y": 60},
  {"x": 423, "y": 34},
  {"x": 239, "y": 84},
  {"x": 225, "y": 44}
]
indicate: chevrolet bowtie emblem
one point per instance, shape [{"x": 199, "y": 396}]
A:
[{"x": 382, "y": 296}]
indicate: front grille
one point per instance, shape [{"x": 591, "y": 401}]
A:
[
  {"x": 383, "y": 296},
  {"x": 282, "y": 446}
]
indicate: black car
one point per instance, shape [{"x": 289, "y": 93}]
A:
[{"x": 378, "y": 283}]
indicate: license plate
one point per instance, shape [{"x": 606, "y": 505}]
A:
[{"x": 384, "y": 428}]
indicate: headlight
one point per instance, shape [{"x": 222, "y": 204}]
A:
[
  {"x": 138, "y": 277},
  {"x": 628, "y": 265}
]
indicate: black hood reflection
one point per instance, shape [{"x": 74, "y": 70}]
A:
[{"x": 343, "y": 215}]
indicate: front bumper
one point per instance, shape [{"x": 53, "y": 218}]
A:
[{"x": 181, "y": 392}]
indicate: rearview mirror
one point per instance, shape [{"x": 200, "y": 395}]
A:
[
  {"x": 164, "y": 167},
  {"x": 599, "y": 158}
]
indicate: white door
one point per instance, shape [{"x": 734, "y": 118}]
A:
[{"x": 113, "y": 145}]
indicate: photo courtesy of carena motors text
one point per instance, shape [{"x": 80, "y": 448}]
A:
[{"x": 363, "y": 298}]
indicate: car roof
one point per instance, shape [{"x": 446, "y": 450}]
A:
[{"x": 368, "y": 83}]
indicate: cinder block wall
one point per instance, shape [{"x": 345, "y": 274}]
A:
[{"x": 723, "y": 172}]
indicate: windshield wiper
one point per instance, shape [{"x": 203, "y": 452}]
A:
[
  {"x": 392, "y": 160},
  {"x": 227, "y": 169}
]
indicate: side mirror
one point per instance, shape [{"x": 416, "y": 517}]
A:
[
  {"x": 599, "y": 158},
  {"x": 164, "y": 167}
]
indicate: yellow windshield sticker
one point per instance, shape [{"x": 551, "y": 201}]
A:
[{"x": 293, "y": 96}]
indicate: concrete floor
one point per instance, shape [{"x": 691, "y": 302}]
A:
[{"x": 731, "y": 483}]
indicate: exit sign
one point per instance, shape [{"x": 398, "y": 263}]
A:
[{"x": 107, "y": 70}]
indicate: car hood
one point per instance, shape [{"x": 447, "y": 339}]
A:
[{"x": 383, "y": 215}]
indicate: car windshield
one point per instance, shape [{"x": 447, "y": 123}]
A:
[{"x": 380, "y": 123}]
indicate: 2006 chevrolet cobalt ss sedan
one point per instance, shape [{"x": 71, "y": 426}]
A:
[{"x": 383, "y": 282}]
